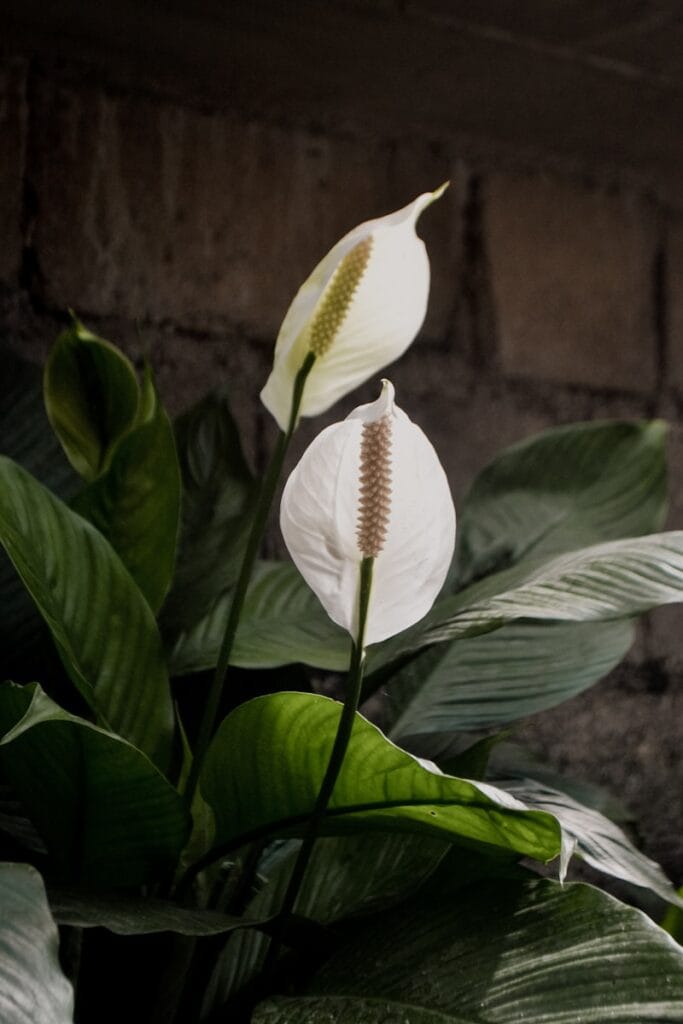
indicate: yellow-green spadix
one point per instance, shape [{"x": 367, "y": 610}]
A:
[
  {"x": 371, "y": 486},
  {"x": 357, "y": 312}
]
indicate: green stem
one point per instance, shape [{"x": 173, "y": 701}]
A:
[
  {"x": 339, "y": 748},
  {"x": 258, "y": 526}
]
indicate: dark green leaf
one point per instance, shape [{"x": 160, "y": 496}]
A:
[
  {"x": 217, "y": 488},
  {"x": 347, "y": 875},
  {"x": 103, "y": 627},
  {"x": 489, "y": 680},
  {"x": 673, "y": 920},
  {"x": 106, "y": 814},
  {"x": 25, "y": 432},
  {"x": 566, "y": 488},
  {"x": 599, "y": 842},
  {"x": 135, "y": 915},
  {"x": 33, "y": 989},
  {"x": 608, "y": 581},
  {"x": 267, "y": 760},
  {"x": 282, "y": 622},
  {"x": 136, "y": 503},
  {"x": 456, "y": 754},
  {"x": 91, "y": 397},
  {"x": 27, "y": 438},
  {"x": 498, "y": 952}
]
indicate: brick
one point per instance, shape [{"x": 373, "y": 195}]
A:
[
  {"x": 12, "y": 142},
  {"x": 572, "y": 276},
  {"x": 674, "y": 303},
  {"x": 151, "y": 210}
]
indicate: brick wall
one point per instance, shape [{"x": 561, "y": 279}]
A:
[{"x": 183, "y": 229}]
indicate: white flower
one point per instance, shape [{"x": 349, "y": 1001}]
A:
[
  {"x": 371, "y": 486},
  {"x": 357, "y": 312}
]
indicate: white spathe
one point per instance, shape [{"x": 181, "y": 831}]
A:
[
  {"x": 385, "y": 313},
  {"x": 319, "y": 518}
]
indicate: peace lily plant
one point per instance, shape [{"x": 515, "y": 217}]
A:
[{"x": 190, "y": 830}]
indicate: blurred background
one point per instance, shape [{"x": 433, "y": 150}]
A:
[{"x": 173, "y": 170}]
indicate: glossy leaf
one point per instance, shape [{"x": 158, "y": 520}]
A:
[
  {"x": 33, "y": 989},
  {"x": 455, "y": 753},
  {"x": 595, "y": 584},
  {"x": 497, "y": 952},
  {"x": 106, "y": 814},
  {"x": 217, "y": 488},
  {"x": 599, "y": 842},
  {"x": 489, "y": 680},
  {"x": 137, "y": 915},
  {"x": 27, "y": 438},
  {"x": 282, "y": 622},
  {"x": 25, "y": 432},
  {"x": 91, "y": 396},
  {"x": 266, "y": 763},
  {"x": 102, "y": 626},
  {"x": 136, "y": 503},
  {"x": 569, "y": 487},
  {"x": 346, "y": 876}
]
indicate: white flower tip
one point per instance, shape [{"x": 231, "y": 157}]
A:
[
  {"x": 437, "y": 193},
  {"x": 427, "y": 198},
  {"x": 376, "y": 410},
  {"x": 385, "y": 402}
]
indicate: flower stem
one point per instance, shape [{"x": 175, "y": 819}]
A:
[
  {"x": 258, "y": 526},
  {"x": 339, "y": 748}
]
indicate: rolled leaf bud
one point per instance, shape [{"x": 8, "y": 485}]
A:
[
  {"x": 371, "y": 486},
  {"x": 357, "y": 312}
]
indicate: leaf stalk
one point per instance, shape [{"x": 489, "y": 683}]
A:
[
  {"x": 334, "y": 765},
  {"x": 258, "y": 527}
]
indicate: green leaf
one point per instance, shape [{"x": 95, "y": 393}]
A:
[
  {"x": 489, "y": 680},
  {"x": 217, "y": 490},
  {"x": 346, "y": 876},
  {"x": 266, "y": 763},
  {"x": 673, "y": 920},
  {"x": 91, "y": 397},
  {"x": 33, "y": 989},
  {"x": 599, "y": 842},
  {"x": 25, "y": 432},
  {"x": 106, "y": 814},
  {"x": 282, "y": 622},
  {"x": 497, "y": 952},
  {"x": 102, "y": 626},
  {"x": 455, "y": 753},
  {"x": 135, "y": 915},
  {"x": 27, "y": 438},
  {"x": 566, "y": 488},
  {"x": 607, "y": 581},
  {"x": 136, "y": 503}
]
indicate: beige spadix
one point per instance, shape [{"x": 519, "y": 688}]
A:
[
  {"x": 371, "y": 486},
  {"x": 357, "y": 312}
]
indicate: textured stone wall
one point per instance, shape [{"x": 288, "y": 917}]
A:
[{"x": 183, "y": 231}]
